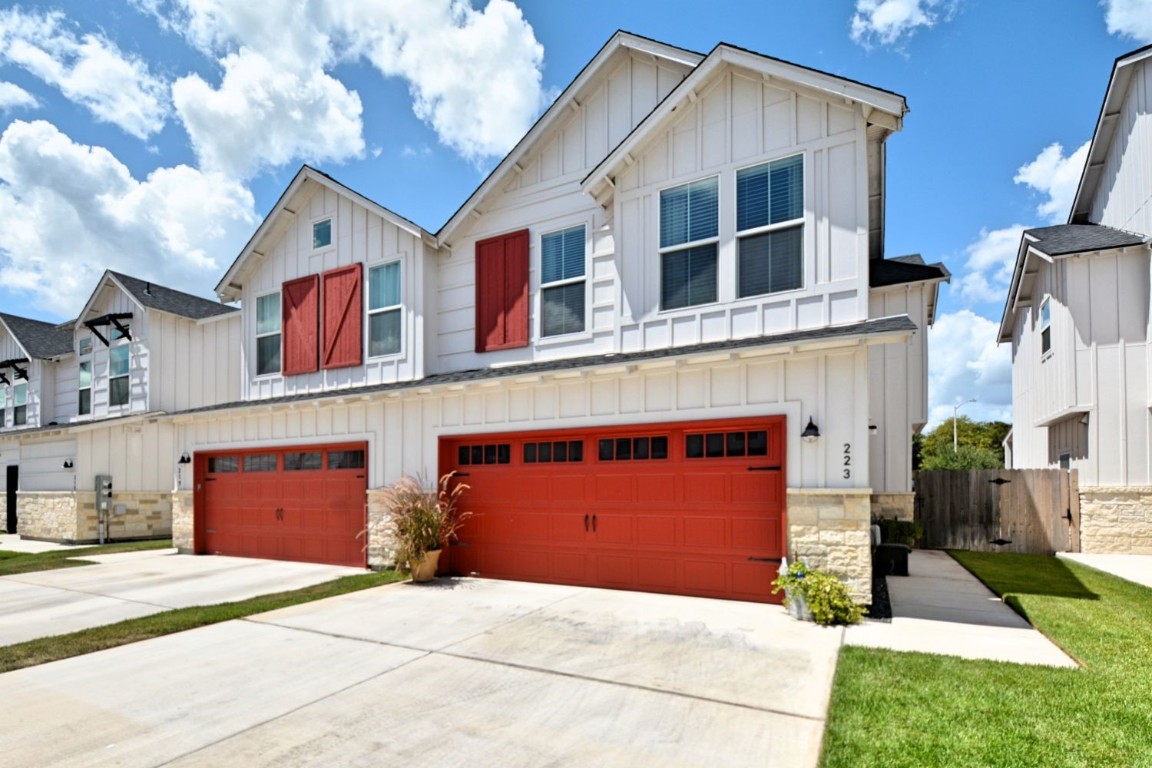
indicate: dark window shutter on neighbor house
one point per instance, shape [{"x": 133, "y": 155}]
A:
[
  {"x": 301, "y": 304},
  {"x": 502, "y": 292},
  {"x": 343, "y": 317}
]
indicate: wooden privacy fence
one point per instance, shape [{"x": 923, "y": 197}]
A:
[{"x": 1033, "y": 511}]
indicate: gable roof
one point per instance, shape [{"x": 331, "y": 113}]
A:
[
  {"x": 228, "y": 289},
  {"x": 154, "y": 296},
  {"x": 38, "y": 339},
  {"x": 904, "y": 269},
  {"x": 1105, "y": 130},
  {"x": 1044, "y": 244},
  {"x": 619, "y": 41},
  {"x": 877, "y": 102}
]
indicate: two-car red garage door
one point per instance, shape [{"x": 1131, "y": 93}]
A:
[
  {"x": 305, "y": 503},
  {"x": 687, "y": 508}
]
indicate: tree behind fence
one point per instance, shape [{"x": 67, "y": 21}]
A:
[{"x": 1028, "y": 510}]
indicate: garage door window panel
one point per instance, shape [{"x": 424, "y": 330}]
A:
[
  {"x": 345, "y": 459},
  {"x": 302, "y": 461},
  {"x": 262, "y": 462},
  {"x": 633, "y": 448},
  {"x": 223, "y": 464}
]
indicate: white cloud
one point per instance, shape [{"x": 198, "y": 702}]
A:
[
  {"x": 1129, "y": 18},
  {"x": 458, "y": 63},
  {"x": 968, "y": 363},
  {"x": 885, "y": 22},
  {"x": 69, "y": 210},
  {"x": 988, "y": 268},
  {"x": 1056, "y": 177},
  {"x": 263, "y": 115},
  {"x": 13, "y": 96},
  {"x": 89, "y": 70}
]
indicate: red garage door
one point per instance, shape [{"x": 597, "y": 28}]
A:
[
  {"x": 305, "y": 503},
  {"x": 689, "y": 508}
]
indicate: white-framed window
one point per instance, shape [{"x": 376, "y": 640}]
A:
[
  {"x": 115, "y": 334},
  {"x": 19, "y": 405},
  {"x": 1046, "y": 325},
  {"x": 385, "y": 320},
  {"x": 562, "y": 281},
  {"x": 85, "y": 388},
  {"x": 3, "y": 407},
  {"x": 689, "y": 237},
  {"x": 84, "y": 346},
  {"x": 770, "y": 227},
  {"x": 118, "y": 367},
  {"x": 268, "y": 334},
  {"x": 322, "y": 233}
]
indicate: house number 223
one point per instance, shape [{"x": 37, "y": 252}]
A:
[{"x": 847, "y": 461}]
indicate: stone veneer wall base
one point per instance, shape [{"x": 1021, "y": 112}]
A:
[
  {"x": 1116, "y": 520},
  {"x": 69, "y": 517},
  {"x": 894, "y": 506},
  {"x": 831, "y": 528}
]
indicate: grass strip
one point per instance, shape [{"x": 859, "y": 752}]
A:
[
  {"x": 913, "y": 709},
  {"x": 12, "y": 563},
  {"x": 44, "y": 650}
]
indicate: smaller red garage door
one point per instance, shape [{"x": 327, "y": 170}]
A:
[{"x": 305, "y": 503}]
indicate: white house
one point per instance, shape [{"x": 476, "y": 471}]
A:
[
  {"x": 618, "y": 342},
  {"x": 1077, "y": 316}
]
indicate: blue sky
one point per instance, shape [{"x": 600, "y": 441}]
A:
[{"x": 152, "y": 136}]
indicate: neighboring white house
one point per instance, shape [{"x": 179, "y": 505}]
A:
[
  {"x": 1078, "y": 318},
  {"x": 618, "y": 342}
]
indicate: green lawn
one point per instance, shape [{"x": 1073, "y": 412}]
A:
[
  {"x": 27, "y": 562},
  {"x": 133, "y": 630},
  {"x": 911, "y": 709}
]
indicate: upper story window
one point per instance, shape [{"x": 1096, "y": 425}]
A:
[
  {"x": 770, "y": 227},
  {"x": 562, "y": 281},
  {"x": 689, "y": 235},
  {"x": 321, "y": 234},
  {"x": 3, "y": 408},
  {"x": 84, "y": 346},
  {"x": 85, "y": 388},
  {"x": 385, "y": 294},
  {"x": 115, "y": 334},
  {"x": 20, "y": 405},
  {"x": 118, "y": 375},
  {"x": 268, "y": 334},
  {"x": 1046, "y": 325}
]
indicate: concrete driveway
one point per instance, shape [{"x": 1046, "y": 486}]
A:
[
  {"x": 460, "y": 673},
  {"x": 132, "y": 584}
]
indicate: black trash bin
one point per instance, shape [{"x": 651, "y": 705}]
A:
[{"x": 891, "y": 559}]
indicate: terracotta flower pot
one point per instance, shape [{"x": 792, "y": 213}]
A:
[{"x": 424, "y": 569}]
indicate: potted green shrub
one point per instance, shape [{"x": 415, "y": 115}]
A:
[
  {"x": 816, "y": 595},
  {"x": 423, "y": 521}
]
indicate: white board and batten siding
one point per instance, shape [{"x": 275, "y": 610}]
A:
[
  {"x": 41, "y": 386},
  {"x": 545, "y": 197},
  {"x": 112, "y": 300},
  {"x": 1125, "y": 185},
  {"x": 358, "y": 236},
  {"x": 194, "y": 362},
  {"x": 740, "y": 121},
  {"x": 898, "y": 387},
  {"x": 139, "y": 455},
  {"x": 403, "y": 431},
  {"x": 1098, "y": 365},
  {"x": 41, "y": 461}
]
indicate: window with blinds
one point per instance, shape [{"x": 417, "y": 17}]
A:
[
  {"x": 689, "y": 234},
  {"x": 770, "y": 227},
  {"x": 562, "y": 260}
]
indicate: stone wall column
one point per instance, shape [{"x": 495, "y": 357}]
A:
[
  {"x": 183, "y": 522},
  {"x": 830, "y": 529},
  {"x": 894, "y": 506}
]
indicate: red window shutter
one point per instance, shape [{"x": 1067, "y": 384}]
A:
[
  {"x": 502, "y": 292},
  {"x": 301, "y": 302},
  {"x": 343, "y": 317}
]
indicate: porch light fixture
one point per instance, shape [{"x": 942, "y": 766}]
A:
[
  {"x": 67, "y": 463},
  {"x": 184, "y": 459},
  {"x": 811, "y": 432}
]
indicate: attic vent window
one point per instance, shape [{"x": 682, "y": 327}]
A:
[{"x": 321, "y": 234}]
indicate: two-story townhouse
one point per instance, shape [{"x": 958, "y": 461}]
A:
[
  {"x": 136, "y": 352},
  {"x": 1078, "y": 318},
  {"x": 29, "y": 350},
  {"x": 659, "y": 343}
]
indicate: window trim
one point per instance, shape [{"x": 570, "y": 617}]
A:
[
  {"x": 19, "y": 419},
  {"x": 80, "y": 346},
  {"x": 541, "y": 286},
  {"x": 80, "y": 388},
  {"x": 125, "y": 345},
  {"x": 317, "y": 220},
  {"x": 1044, "y": 325},
  {"x": 257, "y": 335},
  {"x": 369, "y": 312},
  {"x": 801, "y": 222},
  {"x": 663, "y": 250}
]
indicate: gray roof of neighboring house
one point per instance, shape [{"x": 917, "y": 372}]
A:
[
  {"x": 40, "y": 339},
  {"x": 904, "y": 269},
  {"x": 1063, "y": 239},
  {"x": 169, "y": 300},
  {"x": 878, "y": 327}
]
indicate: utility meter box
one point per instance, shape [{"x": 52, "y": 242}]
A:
[{"x": 103, "y": 493}]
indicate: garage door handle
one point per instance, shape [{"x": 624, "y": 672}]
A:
[
  {"x": 585, "y": 523},
  {"x": 593, "y": 523},
  {"x": 764, "y": 469},
  {"x": 764, "y": 559}
]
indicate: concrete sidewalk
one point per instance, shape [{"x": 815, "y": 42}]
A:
[
  {"x": 942, "y": 608},
  {"x": 1137, "y": 568},
  {"x": 11, "y": 542}
]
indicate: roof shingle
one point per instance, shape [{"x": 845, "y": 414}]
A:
[
  {"x": 41, "y": 340},
  {"x": 170, "y": 300},
  {"x": 1063, "y": 239}
]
